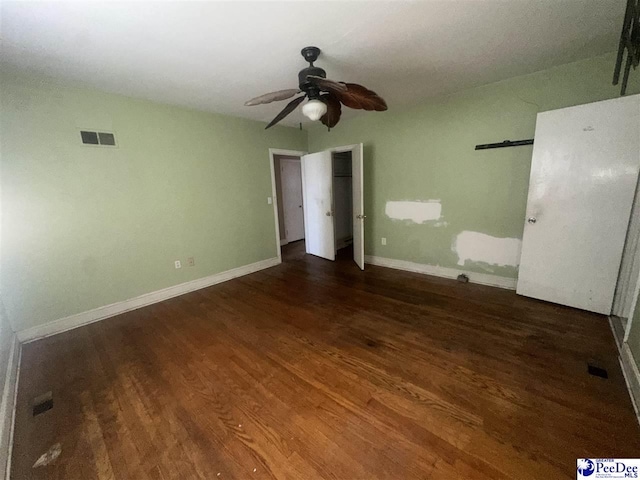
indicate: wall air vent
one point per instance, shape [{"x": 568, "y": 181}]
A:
[{"x": 104, "y": 139}]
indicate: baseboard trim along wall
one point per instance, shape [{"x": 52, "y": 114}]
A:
[
  {"x": 481, "y": 278},
  {"x": 629, "y": 368},
  {"x": 8, "y": 406},
  {"x": 100, "y": 313},
  {"x": 631, "y": 376}
]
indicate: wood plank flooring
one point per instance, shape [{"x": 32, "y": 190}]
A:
[{"x": 313, "y": 369}]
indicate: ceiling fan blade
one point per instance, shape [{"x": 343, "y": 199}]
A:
[
  {"x": 351, "y": 94},
  {"x": 272, "y": 97},
  {"x": 327, "y": 85},
  {"x": 362, "y": 98},
  {"x": 291, "y": 106},
  {"x": 334, "y": 110}
]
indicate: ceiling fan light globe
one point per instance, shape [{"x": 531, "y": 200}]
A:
[{"x": 314, "y": 109}]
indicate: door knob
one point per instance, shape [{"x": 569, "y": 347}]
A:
[{"x": 532, "y": 220}]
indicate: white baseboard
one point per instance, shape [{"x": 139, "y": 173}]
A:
[
  {"x": 629, "y": 369},
  {"x": 631, "y": 376},
  {"x": 482, "y": 278},
  {"x": 100, "y": 313},
  {"x": 8, "y": 406},
  {"x": 613, "y": 319}
]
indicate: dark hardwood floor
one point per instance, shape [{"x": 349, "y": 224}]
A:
[{"x": 314, "y": 369}]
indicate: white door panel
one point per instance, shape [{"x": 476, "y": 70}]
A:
[
  {"x": 357, "y": 173},
  {"x": 291, "y": 179},
  {"x": 317, "y": 186},
  {"x": 583, "y": 177}
]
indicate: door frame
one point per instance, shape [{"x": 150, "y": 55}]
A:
[
  {"x": 351, "y": 148},
  {"x": 274, "y": 194},
  {"x": 345, "y": 148},
  {"x": 340, "y": 149},
  {"x": 634, "y": 304},
  {"x": 630, "y": 264}
]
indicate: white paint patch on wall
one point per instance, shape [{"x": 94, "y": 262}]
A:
[
  {"x": 417, "y": 212},
  {"x": 480, "y": 247}
]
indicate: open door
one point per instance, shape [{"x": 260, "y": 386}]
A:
[
  {"x": 584, "y": 171},
  {"x": 317, "y": 192},
  {"x": 358, "y": 205}
]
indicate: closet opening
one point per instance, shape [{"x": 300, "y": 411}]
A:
[{"x": 343, "y": 203}]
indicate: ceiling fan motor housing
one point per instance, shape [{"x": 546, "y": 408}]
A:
[
  {"x": 310, "y": 54},
  {"x": 305, "y": 85}
]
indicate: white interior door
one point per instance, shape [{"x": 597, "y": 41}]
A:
[
  {"x": 317, "y": 186},
  {"x": 291, "y": 180},
  {"x": 583, "y": 177},
  {"x": 357, "y": 173}
]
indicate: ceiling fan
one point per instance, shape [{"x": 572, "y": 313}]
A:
[{"x": 325, "y": 96}]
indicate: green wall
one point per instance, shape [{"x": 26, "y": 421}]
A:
[
  {"x": 427, "y": 152},
  {"x": 87, "y": 226}
]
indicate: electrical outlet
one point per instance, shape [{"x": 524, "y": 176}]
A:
[
  {"x": 269, "y": 200},
  {"x": 191, "y": 261},
  {"x": 384, "y": 241},
  {"x": 177, "y": 264}
]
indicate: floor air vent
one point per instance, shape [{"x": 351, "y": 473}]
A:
[
  {"x": 597, "y": 371},
  {"x": 42, "y": 403}
]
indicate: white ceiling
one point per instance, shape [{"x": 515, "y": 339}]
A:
[{"x": 214, "y": 55}]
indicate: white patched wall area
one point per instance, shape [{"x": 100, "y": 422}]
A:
[
  {"x": 414, "y": 211},
  {"x": 480, "y": 247}
]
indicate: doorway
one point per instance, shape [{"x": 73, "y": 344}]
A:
[
  {"x": 332, "y": 186},
  {"x": 328, "y": 188},
  {"x": 286, "y": 178},
  {"x": 291, "y": 199}
]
